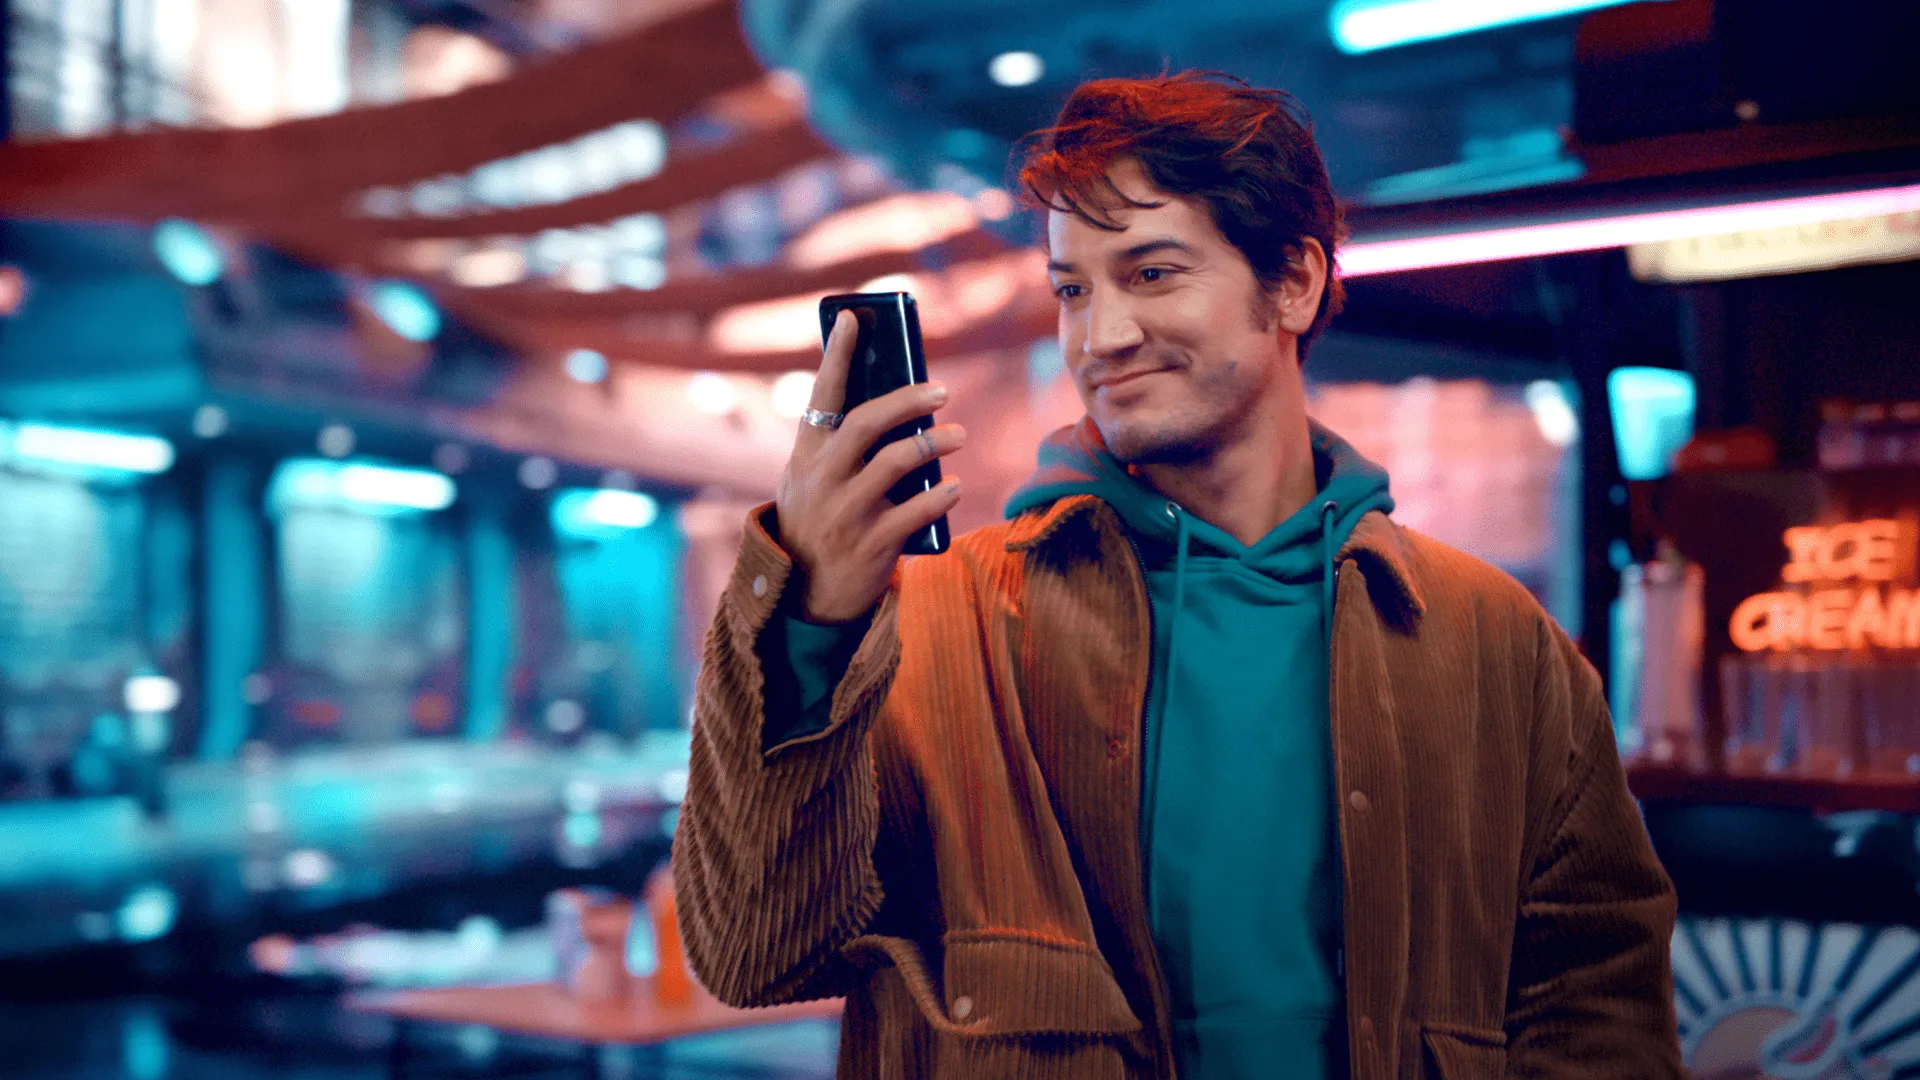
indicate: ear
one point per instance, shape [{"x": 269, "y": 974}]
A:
[{"x": 1298, "y": 296}]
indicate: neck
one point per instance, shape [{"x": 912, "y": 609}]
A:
[{"x": 1250, "y": 483}]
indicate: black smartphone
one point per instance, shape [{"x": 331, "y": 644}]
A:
[{"x": 887, "y": 356}]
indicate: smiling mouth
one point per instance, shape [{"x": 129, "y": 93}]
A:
[{"x": 1122, "y": 380}]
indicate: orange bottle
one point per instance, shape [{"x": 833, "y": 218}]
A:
[{"x": 672, "y": 985}]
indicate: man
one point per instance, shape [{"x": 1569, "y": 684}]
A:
[{"x": 1198, "y": 764}]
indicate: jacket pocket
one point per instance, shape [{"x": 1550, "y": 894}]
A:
[
  {"x": 1454, "y": 1052},
  {"x": 1002, "y": 983},
  {"x": 1010, "y": 1005}
]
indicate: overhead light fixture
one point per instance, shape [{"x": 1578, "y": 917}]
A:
[
  {"x": 314, "y": 482},
  {"x": 405, "y": 308},
  {"x": 1362, "y": 26},
  {"x": 712, "y": 393},
  {"x": 1652, "y": 412},
  {"x": 188, "y": 252},
  {"x": 792, "y": 393},
  {"x": 1388, "y": 256},
  {"x": 1019, "y": 68},
  {"x": 34, "y": 444},
  {"x": 150, "y": 694},
  {"x": 587, "y": 366},
  {"x": 589, "y": 513},
  {"x": 905, "y": 222}
]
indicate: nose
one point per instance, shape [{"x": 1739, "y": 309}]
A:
[{"x": 1112, "y": 331}]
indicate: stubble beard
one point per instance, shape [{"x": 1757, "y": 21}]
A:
[{"x": 1228, "y": 397}]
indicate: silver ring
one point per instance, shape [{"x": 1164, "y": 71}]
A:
[{"x": 828, "y": 420}]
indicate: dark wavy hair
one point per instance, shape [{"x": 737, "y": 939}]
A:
[{"x": 1247, "y": 153}]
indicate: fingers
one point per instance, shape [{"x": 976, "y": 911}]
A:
[
  {"x": 900, "y": 522},
  {"x": 866, "y": 423},
  {"x": 898, "y": 459},
  {"x": 830, "y": 384}
]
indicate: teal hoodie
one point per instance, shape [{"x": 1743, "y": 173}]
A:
[{"x": 1237, "y": 805}]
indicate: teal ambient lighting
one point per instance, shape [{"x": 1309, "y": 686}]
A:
[
  {"x": 316, "y": 482},
  {"x": 188, "y": 252},
  {"x": 405, "y": 308},
  {"x": 590, "y": 514},
  {"x": 1361, "y": 26},
  {"x": 83, "y": 448},
  {"x": 1652, "y": 418}
]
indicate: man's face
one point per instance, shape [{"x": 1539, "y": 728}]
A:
[{"x": 1169, "y": 336}]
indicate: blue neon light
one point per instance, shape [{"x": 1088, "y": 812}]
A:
[
  {"x": 317, "y": 482},
  {"x": 188, "y": 252},
  {"x": 1361, "y": 26},
  {"x": 590, "y": 514},
  {"x": 405, "y": 308},
  {"x": 1652, "y": 418},
  {"x": 33, "y": 444}
]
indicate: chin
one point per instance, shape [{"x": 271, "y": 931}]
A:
[{"x": 1144, "y": 442}]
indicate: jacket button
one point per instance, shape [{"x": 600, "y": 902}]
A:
[
  {"x": 1116, "y": 749},
  {"x": 1361, "y": 804},
  {"x": 760, "y": 585},
  {"x": 962, "y": 1008}
]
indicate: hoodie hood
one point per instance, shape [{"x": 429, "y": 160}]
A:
[{"x": 1075, "y": 461}]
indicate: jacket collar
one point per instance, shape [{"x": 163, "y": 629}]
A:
[{"x": 1375, "y": 544}]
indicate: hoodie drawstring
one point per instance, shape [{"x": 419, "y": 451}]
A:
[
  {"x": 1151, "y": 770},
  {"x": 1327, "y": 511}
]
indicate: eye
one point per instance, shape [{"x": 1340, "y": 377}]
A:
[
  {"x": 1152, "y": 274},
  {"x": 1068, "y": 291}
]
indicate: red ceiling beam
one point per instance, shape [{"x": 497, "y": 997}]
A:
[{"x": 660, "y": 71}]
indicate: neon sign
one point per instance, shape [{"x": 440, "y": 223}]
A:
[{"x": 1847, "y": 596}]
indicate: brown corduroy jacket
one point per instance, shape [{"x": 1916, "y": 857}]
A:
[{"x": 958, "y": 853}]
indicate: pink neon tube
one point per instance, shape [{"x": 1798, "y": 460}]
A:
[{"x": 1555, "y": 238}]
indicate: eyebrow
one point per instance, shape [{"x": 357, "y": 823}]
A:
[{"x": 1137, "y": 251}]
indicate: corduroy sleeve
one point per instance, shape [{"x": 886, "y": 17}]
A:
[
  {"x": 773, "y": 854},
  {"x": 1591, "y": 990}
]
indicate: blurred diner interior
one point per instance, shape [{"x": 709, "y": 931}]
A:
[{"x": 384, "y": 383}]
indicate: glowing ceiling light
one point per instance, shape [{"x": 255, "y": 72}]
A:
[
  {"x": 587, "y": 366},
  {"x": 335, "y": 440},
  {"x": 488, "y": 267},
  {"x": 789, "y": 323},
  {"x": 1594, "y": 234},
  {"x": 411, "y": 489},
  {"x": 906, "y": 222},
  {"x": 90, "y": 448},
  {"x": 890, "y": 283},
  {"x": 1018, "y": 68},
  {"x": 313, "y": 482},
  {"x": 147, "y": 913},
  {"x": 712, "y": 393},
  {"x": 1652, "y": 418},
  {"x": 210, "y": 421},
  {"x": 596, "y": 514},
  {"x": 405, "y": 308},
  {"x": 792, "y": 393},
  {"x": 150, "y": 694},
  {"x": 188, "y": 252},
  {"x": 1361, "y": 26},
  {"x": 1553, "y": 412},
  {"x": 538, "y": 473}
]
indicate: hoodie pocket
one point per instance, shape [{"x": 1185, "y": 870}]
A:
[{"x": 1457, "y": 1053}]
